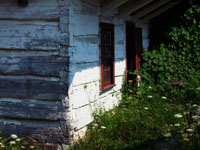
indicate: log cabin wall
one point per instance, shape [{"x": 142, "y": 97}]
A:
[{"x": 34, "y": 66}]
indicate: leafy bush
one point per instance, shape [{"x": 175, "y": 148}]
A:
[{"x": 176, "y": 62}]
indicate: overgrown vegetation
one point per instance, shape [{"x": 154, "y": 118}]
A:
[
  {"x": 15, "y": 143},
  {"x": 164, "y": 110}
]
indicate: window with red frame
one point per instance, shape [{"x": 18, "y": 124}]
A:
[{"x": 107, "y": 56}]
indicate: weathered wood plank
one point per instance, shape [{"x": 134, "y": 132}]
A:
[
  {"x": 159, "y": 11},
  {"x": 28, "y": 110},
  {"x": 55, "y": 135},
  {"x": 135, "y": 6},
  {"x": 112, "y": 5},
  {"x": 43, "y": 66},
  {"x": 31, "y": 35},
  {"x": 148, "y": 9},
  {"x": 32, "y": 88},
  {"x": 36, "y": 9}
]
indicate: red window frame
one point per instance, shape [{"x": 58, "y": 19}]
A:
[{"x": 107, "y": 61}]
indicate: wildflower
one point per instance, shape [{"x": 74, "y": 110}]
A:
[
  {"x": 186, "y": 139},
  {"x": 1, "y": 144},
  {"x": 177, "y": 125},
  {"x": 194, "y": 105},
  {"x": 22, "y": 147},
  {"x": 146, "y": 108},
  {"x": 180, "y": 132},
  {"x": 123, "y": 119},
  {"x": 14, "y": 136},
  {"x": 184, "y": 135},
  {"x": 130, "y": 81},
  {"x": 186, "y": 112},
  {"x": 167, "y": 134},
  {"x": 194, "y": 117},
  {"x": 18, "y": 140},
  {"x": 138, "y": 93},
  {"x": 149, "y": 96},
  {"x": 12, "y": 142},
  {"x": 178, "y": 116},
  {"x": 198, "y": 88},
  {"x": 95, "y": 125},
  {"x": 190, "y": 130},
  {"x": 103, "y": 127},
  {"x": 163, "y": 97},
  {"x": 32, "y": 147}
]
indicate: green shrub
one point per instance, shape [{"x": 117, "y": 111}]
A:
[
  {"x": 176, "y": 62},
  {"x": 139, "y": 125}
]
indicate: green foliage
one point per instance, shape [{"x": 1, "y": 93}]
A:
[
  {"x": 176, "y": 62},
  {"x": 148, "y": 120},
  {"x": 16, "y": 143},
  {"x": 136, "y": 126}
]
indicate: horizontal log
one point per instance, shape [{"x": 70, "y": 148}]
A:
[
  {"x": 36, "y": 9},
  {"x": 28, "y": 110},
  {"x": 43, "y": 66},
  {"x": 31, "y": 35},
  {"x": 54, "y": 135},
  {"x": 32, "y": 88}
]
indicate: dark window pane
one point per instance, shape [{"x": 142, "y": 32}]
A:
[
  {"x": 107, "y": 55},
  {"x": 106, "y": 51},
  {"x": 106, "y": 65},
  {"x": 106, "y": 38},
  {"x": 106, "y": 70},
  {"x": 107, "y": 76}
]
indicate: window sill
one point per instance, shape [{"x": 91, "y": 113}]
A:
[{"x": 107, "y": 87}]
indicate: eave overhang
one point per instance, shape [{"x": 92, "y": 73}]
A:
[{"x": 138, "y": 10}]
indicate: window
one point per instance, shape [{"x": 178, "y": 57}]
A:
[{"x": 107, "y": 56}]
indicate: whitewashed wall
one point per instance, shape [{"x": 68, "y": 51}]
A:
[
  {"x": 145, "y": 35},
  {"x": 84, "y": 91},
  {"x": 84, "y": 87}
]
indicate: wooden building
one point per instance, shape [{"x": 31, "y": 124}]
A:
[{"x": 62, "y": 59}]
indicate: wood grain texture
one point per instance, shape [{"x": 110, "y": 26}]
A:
[
  {"x": 43, "y": 66},
  {"x": 28, "y": 110},
  {"x": 32, "y": 88},
  {"x": 36, "y": 9},
  {"x": 55, "y": 135},
  {"x": 31, "y": 35},
  {"x": 34, "y": 80}
]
